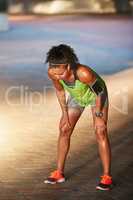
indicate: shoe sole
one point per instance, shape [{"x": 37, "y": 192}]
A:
[
  {"x": 103, "y": 189},
  {"x": 59, "y": 181}
]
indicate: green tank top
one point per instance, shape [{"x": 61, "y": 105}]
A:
[{"x": 81, "y": 92}]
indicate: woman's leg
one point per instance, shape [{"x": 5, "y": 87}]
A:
[
  {"x": 64, "y": 137},
  {"x": 103, "y": 142}
]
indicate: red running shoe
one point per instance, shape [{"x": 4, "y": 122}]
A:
[
  {"x": 105, "y": 183},
  {"x": 55, "y": 177}
]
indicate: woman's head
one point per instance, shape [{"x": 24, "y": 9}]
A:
[{"x": 61, "y": 55}]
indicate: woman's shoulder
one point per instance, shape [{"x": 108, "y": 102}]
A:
[
  {"x": 84, "y": 72},
  {"x": 84, "y": 68}
]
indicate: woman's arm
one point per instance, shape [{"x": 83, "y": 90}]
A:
[
  {"x": 60, "y": 93},
  {"x": 87, "y": 76}
]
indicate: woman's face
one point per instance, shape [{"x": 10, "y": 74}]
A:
[{"x": 61, "y": 71}]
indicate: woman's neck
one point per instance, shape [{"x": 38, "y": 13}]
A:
[{"x": 71, "y": 77}]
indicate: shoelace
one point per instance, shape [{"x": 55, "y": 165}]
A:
[
  {"x": 54, "y": 174},
  {"x": 106, "y": 178}
]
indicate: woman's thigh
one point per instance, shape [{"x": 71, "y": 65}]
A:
[{"x": 74, "y": 111}]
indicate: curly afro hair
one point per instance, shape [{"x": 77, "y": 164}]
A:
[{"x": 62, "y": 54}]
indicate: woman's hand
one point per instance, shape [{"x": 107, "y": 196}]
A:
[{"x": 64, "y": 123}]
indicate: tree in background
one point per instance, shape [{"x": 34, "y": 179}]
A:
[
  {"x": 122, "y": 6},
  {"x": 3, "y": 15},
  {"x": 3, "y": 5}
]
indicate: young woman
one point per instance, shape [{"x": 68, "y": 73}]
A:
[{"x": 85, "y": 87}]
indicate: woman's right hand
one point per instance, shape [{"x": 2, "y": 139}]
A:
[{"x": 64, "y": 123}]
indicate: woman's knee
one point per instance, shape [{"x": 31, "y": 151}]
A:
[
  {"x": 65, "y": 132},
  {"x": 100, "y": 134}
]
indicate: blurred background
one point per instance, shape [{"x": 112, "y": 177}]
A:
[
  {"x": 68, "y": 6},
  {"x": 103, "y": 29}
]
